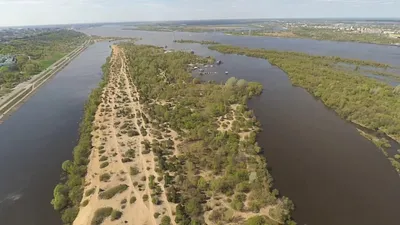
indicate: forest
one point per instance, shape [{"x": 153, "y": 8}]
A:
[
  {"x": 34, "y": 54},
  {"x": 324, "y": 34},
  {"x": 219, "y": 172},
  {"x": 355, "y": 97}
]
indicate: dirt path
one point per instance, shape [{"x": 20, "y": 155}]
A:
[{"x": 118, "y": 141}]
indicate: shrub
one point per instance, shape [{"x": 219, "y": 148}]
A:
[
  {"x": 145, "y": 197},
  {"x": 100, "y": 215},
  {"x": 69, "y": 215},
  {"x": 132, "y": 200},
  {"x": 105, "y": 177},
  {"x": 156, "y": 215},
  {"x": 90, "y": 191},
  {"x": 103, "y": 165},
  {"x": 134, "y": 171},
  {"x": 116, "y": 215},
  {"x": 125, "y": 160},
  {"x": 103, "y": 158},
  {"x": 130, "y": 153},
  {"x": 85, "y": 203},
  {"x": 165, "y": 220},
  {"x": 124, "y": 201},
  {"x": 113, "y": 191}
]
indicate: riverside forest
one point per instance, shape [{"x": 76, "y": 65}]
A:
[
  {"x": 362, "y": 100},
  {"x": 178, "y": 150},
  {"x": 35, "y": 53}
]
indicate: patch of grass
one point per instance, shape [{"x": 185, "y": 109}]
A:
[
  {"x": 110, "y": 193},
  {"x": 100, "y": 215}
]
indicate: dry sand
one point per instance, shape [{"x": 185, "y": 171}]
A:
[{"x": 120, "y": 94}]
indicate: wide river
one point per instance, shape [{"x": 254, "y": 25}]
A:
[{"x": 334, "y": 175}]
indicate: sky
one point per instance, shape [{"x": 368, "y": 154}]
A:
[{"x": 41, "y": 12}]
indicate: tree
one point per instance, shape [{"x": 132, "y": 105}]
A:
[
  {"x": 231, "y": 82},
  {"x": 165, "y": 220}
]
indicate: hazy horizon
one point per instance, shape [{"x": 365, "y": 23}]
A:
[{"x": 58, "y": 12}]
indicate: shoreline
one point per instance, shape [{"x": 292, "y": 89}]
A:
[{"x": 12, "y": 100}]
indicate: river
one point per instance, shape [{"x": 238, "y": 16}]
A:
[
  {"x": 40, "y": 135},
  {"x": 334, "y": 175}
]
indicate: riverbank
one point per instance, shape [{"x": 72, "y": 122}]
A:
[
  {"x": 359, "y": 99},
  {"x": 324, "y": 35},
  {"x": 141, "y": 154},
  {"x": 23, "y": 91}
]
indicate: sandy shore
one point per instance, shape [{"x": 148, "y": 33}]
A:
[{"x": 122, "y": 150}]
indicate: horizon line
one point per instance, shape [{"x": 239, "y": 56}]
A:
[{"x": 211, "y": 19}]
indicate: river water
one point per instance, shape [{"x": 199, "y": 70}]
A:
[
  {"x": 40, "y": 135},
  {"x": 334, "y": 176}
]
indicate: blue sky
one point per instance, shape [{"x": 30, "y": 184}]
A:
[{"x": 34, "y": 12}]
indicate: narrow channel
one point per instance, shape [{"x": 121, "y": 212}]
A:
[{"x": 40, "y": 135}]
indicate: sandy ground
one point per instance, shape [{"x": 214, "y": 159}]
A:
[{"x": 110, "y": 140}]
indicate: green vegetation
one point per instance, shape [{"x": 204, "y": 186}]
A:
[
  {"x": 132, "y": 200},
  {"x": 101, "y": 214},
  {"x": 90, "y": 191},
  {"x": 68, "y": 194},
  {"x": 116, "y": 215},
  {"x": 362, "y": 100},
  {"x": 105, "y": 177},
  {"x": 324, "y": 34},
  {"x": 104, "y": 165},
  {"x": 34, "y": 54},
  {"x": 354, "y": 97},
  {"x": 110, "y": 193},
  {"x": 198, "y": 42},
  {"x": 232, "y": 162}
]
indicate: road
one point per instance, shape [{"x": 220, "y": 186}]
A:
[{"x": 21, "y": 91}]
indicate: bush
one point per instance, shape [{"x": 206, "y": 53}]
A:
[
  {"x": 103, "y": 158},
  {"x": 69, "y": 215},
  {"x": 134, "y": 171},
  {"x": 132, "y": 200},
  {"x": 100, "y": 215},
  {"x": 85, "y": 203},
  {"x": 124, "y": 201},
  {"x": 104, "y": 165},
  {"x": 105, "y": 177},
  {"x": 145, "y": 197},
  {"x": 116, "y": 215},
  {"x": 165, "y": 220},
  {"x": 125, "y": 160},
  {"x": 156, "y": 215},
  {"x": 90, "y": 191},
  {"x": 110, "y": 193}
]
